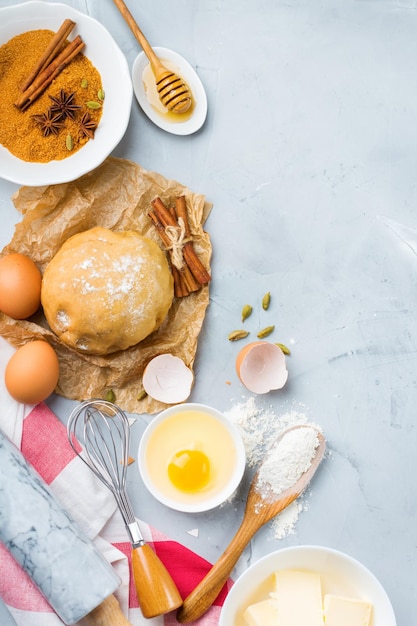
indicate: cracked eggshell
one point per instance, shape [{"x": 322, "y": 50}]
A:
[
  {"x": 261, "y": 367},
  {"x": 167, "y": 378}
]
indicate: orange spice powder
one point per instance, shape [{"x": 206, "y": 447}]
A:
[{"x": 19, "y": 132}]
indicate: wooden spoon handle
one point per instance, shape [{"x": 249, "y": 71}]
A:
[
  {"x": 203, "y": 596},
  {"x": 157, "y": 593},
  {"x": 140, "y": 37},
  {"x": 108, "y": 613},
  {"x": 259, "y": 511}
]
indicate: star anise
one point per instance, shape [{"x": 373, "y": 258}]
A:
[
  {"x": 49, "y": 123},
  {"x": 64, "y": 106},
  {"x": 87, "y": 126}
]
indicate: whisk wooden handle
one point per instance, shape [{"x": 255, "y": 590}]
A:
[
  {"x": 157, "y": 592},
  {"x": 108, "y": 613},
  {"x": 140, "y": 37}
]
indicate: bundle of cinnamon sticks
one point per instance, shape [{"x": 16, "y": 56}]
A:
[
  {"x": 172, "y": 226},
  {"x": 55, "y": 58}
]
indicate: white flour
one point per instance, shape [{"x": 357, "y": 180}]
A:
[
  {"x": 287, "y": 461},
  {"x": 259, "y": 429}
]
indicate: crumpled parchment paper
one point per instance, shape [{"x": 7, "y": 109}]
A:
[{"x": 116, "y": 195}]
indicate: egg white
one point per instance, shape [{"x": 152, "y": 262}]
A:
[{"x": 190, "y": 430}]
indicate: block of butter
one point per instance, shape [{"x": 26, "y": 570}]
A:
[
  {"x": 299, "y": 598},
  {"x": 340, "y": 611},
  {"x": 262, "y": 613}
]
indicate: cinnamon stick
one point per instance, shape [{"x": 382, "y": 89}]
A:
[
  {"x": 181, "y": 211},
  {"x": 159, "y": 228},
  {"x": 162, "y": 212},
  {"x": 51, "y": 52},
  {"x": 196, "y": 267},
  {"x": 178, "y": 211},
  {"x": 180, "y": 287},
  {"x": 190, "y": 282},
  {"x": 184, "y": 281},
  {"x": 172, "y": 212},
  {"x": 45, "y": 78}
]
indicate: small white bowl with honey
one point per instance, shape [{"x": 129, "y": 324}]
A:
[
  {"x": 146, "y": 94},
  {"x": 191, "y": 457}
]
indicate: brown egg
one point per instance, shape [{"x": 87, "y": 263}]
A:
[
  {"x": 20, "y": 286},
  {"x": 261, "y": 367},
  {"x": 32, "y": 373}
]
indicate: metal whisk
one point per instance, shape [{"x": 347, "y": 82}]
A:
[{"x": 102, "y": 430}]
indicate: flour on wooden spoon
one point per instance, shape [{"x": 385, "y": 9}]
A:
[{"x": 259, "y": 429}]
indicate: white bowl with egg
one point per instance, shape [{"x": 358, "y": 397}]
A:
[
  {"x": 191, "y": 457},
  {"x": 340, "y": 575}
]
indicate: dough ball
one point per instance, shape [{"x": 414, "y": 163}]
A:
[{"x": 105, "y": 291}]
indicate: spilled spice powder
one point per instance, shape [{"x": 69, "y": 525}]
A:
[{"x": 19, "y": 132}]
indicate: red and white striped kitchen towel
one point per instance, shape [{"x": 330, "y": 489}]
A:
[{"x": 43, "y": 440}]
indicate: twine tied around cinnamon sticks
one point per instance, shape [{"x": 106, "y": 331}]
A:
[
  {"x": 176, "y": 235},
  {"x": 173, "y": 228}
]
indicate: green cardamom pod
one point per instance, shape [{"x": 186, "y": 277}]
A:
[
  {"x": 110, "y": 396},
  {"x": 142, "y": 395},
  {"x": 91, "y": 104},
  {"x": 84, "y": 83},
  {"x": 266, "y": 301},
  {"x": 283, "y": 348},
  {"x": 100, "y": 94},
  {"x": 246, "y": 311},
  {"x": 238, "y": 334},
  {"x": 69, "y": 142},
  {"x": 265, "y": 332}
]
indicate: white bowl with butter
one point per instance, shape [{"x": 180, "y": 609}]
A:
[
  {"x": 314, "y": 584},
  {"x": 191, "y": 457}
]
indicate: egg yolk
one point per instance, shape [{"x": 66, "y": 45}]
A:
[{"x": 189, "y": 470}]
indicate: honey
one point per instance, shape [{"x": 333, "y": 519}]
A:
[{"x": 149, "y": 84}]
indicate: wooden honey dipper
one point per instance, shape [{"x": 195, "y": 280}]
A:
[{"x": 173, "y": 92}]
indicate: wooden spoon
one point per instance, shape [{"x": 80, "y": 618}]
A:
[
  {"x": 173, "y": 92},
  {"x": 258, "y": 512}
]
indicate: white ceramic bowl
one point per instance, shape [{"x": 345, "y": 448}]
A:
[
  {"x": 340, "y": 574},
  {"x": 179, "y": 429},
  {"x": 178, "y": 64},
  {"x": 107, "y": 57}
]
